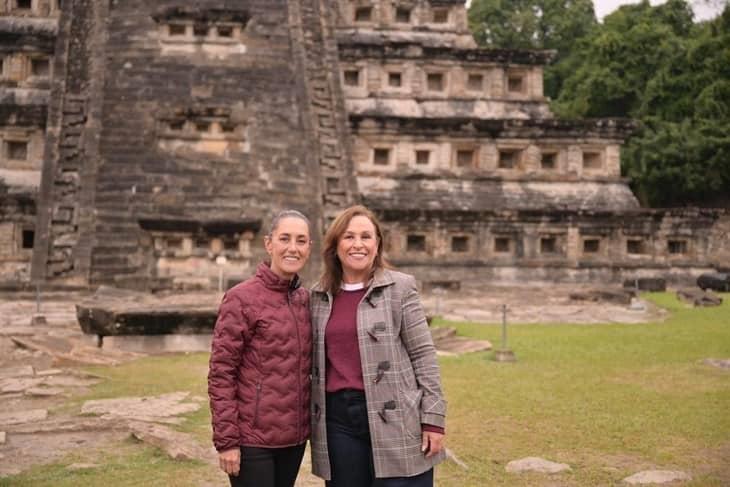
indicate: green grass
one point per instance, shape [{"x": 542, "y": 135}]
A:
[{"x": 609, "y": 400}]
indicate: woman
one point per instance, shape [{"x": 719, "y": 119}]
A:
[
  {"x": 259, "y": 382},
  {"x": 378, "y": 410}
]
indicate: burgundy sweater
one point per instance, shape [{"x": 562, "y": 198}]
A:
[{"x": 342, "y": 350}]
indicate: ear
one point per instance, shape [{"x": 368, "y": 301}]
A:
[{"x": 268, "y": 244}]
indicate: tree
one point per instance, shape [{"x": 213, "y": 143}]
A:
[
  {"x": 534, "y": 24},
  {"x": 654, "y": 64}
]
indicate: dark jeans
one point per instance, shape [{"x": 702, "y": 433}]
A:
[
  {"x": 350, "y": 452},
  {"x": 268, "y": 467}
]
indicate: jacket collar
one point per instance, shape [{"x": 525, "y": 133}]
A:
[{"x": 274, "y": 282}]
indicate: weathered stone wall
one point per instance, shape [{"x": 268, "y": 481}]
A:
[
  {"x": 30, "y": 8},
  {"x": 176, "y": 129},
  {"x": 17, "y": 230},
  {"x": 466, "y": 248},
  {"x": 445, "y": 16},
  {"x": 194, "y": 126},
  {"x": 26, "y": 50}
]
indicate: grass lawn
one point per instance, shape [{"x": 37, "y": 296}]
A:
[{"x": 610, "y": 400}]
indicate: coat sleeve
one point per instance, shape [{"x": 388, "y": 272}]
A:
[
  {"x": 231, "y": 327},
  {"x": 418, "y": 343}
]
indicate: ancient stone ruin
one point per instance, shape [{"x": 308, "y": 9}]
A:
[{"x": 147, "y": 144}]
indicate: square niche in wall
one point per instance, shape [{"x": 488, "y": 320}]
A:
[
  {"x": 549, "y": 161},
  {"x": 416, "y": 243},
  {"x": 403, "y": 15},
  {"x": 475, "y": 82},
  {"x": 423, "y": 157},
  {"x": 381, "y": 156},
  {"x": 16, "y": 150},
  {"x": 351, "y": 77},
  {"x": 395, "y": 79},
  {"x": 460, "y": 243},
  {"x": 363, "y": 14},
  {"x": 435, "y": 81},
  {"x": 503, "y": 245},
  {"x": 40, "y": 67},
  {"x": 440, "y": 15}
]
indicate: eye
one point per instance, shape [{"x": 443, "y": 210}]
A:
[{"x": 283, "y": 239}]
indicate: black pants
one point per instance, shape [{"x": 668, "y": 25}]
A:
[
  {"x": 268, "y": 467},
  {"x": 350, "y": 451}
]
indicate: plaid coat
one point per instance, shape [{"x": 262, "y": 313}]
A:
[{"x": 400, "y": 372}]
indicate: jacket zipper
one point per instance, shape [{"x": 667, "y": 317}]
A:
[
  {"x": 299, "y": 367},
  {"x": 256, "y": 408}
]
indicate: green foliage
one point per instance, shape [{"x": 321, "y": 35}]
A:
[
  {"x": 534, "y": 24},
  {"x": 650, "y": 63},
  {"x": 654, "y": 64}
]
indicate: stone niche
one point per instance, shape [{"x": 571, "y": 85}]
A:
[
  {"x": 32, "y": 69},
  {"x": 187, "y": 254},
  {"x": 482, "y": 156},
  {"x": 21, "y": 147},
  {"x": 216, "y": 131},
  {"x": 214, "y": 32},
  {"x": 404, "y": 15},
  {"x": 31, "y": 8},
  {"x": 17, "y": 231}
]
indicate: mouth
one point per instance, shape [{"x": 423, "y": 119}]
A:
[
  {"x": 357, "y": 255},
  {"x": 291, "y": 258}
]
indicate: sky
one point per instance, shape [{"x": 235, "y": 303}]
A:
[{"x": 703, "y": 9}]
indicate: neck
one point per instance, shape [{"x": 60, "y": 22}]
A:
[{"x": 355, "y": 277}]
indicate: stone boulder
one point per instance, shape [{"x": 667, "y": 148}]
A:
[
  {"x": 604, "y": 295},
  {"x": 113, "y": 312},
  {"x": 536, "y": 464},
  {"x": 697, "y": 297},
  {"x": 651, "y": 284},
  {"x": 657, "y": 477}
]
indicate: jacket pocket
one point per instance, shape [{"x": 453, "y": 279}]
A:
[
  {"x": 256, "y": 404},
  {"x": 412, "y": 412}
]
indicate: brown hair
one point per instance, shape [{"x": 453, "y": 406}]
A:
[{"x": 332, "y": 276}]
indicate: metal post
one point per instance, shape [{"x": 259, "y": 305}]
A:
[
  {"x": 504, "y": 354},
  {"x": 37, "y": 318},
  {"x": 504, "y": 327}
]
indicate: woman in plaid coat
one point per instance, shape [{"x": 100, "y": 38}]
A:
[{"x": 377, "y": 405}]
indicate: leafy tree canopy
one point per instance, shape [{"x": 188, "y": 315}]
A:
[
  {"x": 650, "y": 63},
  {"x": 533, "y": 24}
]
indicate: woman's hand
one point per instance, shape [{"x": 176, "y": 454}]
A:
[
  {"x": 230, "y": 461},
  {"x": 431, "y": 443}
]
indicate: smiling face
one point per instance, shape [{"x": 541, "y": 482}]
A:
[
  {"x": 289, "y": 246},
  {"x": 357, "y": 249}
]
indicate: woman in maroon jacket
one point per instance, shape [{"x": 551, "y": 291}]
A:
[{"x": 259, "y": 383}]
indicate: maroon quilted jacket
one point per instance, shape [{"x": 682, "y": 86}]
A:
[{"x": 259, "y": 382}]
